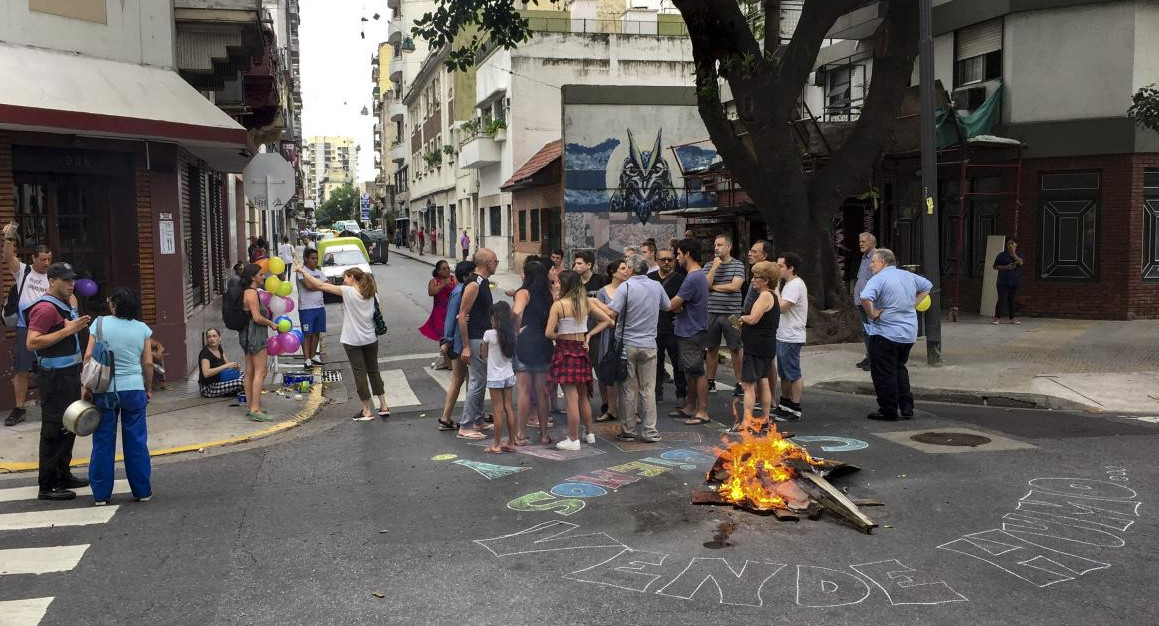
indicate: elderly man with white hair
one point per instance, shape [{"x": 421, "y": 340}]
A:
[
  {"x": 637, "y": 304},
  {"x": 866, "y": 242}
]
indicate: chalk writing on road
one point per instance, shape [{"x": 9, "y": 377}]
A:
[
  {"x": 491, "y": 471},
  {"x": 739, "y": 582},
  {"x": 1043, "y": 541},
  {"x": 832, "y": 444}
]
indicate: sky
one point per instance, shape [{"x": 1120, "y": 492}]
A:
[{"x": 335, "y": 66}]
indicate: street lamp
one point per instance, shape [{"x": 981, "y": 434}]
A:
[{"x": 931, "y": 255}]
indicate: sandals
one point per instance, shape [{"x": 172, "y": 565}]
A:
[
  {"x": 494, "y": 449},
  {"x": 363, "y": 418},
  {"x": 384, "y": 414},
  {"x": 607, "y": 417},
  {"x": 680, "y": 415},
  {"x": 259, "y": 416},
  {"x": 473, "y": 435},
  {"x": 447, "y": 425},
  {"x": 696, "y": 421}
]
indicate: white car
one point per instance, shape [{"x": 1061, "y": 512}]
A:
[
  {"x": 337, "y": 259},
  {"x": 347, "y": 226}
]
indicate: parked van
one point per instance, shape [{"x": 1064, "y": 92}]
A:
[{"x": 338, "y": 255}]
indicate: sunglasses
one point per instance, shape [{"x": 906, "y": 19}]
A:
[{"x": 665, "y": 259}]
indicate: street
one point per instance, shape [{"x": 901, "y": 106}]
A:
[{"x": 1047, "y": 520}]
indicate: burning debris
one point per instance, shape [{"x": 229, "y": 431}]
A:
[{"x": 764, "y": 472}]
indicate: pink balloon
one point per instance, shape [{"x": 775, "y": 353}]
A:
[
  {"x": 288, "y": 343},
  {"x": 289, "y": 304},
  {"x": 273, "y": 346},
  {"x": 264, "y": 297}
]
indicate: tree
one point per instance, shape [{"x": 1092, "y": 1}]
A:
[
  {"x": 341, "y": 205},
  {"x": 1145, "y": 108},
  {"x": 767, "y": 79}
]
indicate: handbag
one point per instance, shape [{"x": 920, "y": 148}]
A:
[
  {"x": 614, "y": 364},
  {"x": 379, "y": 322},
  {"x": 12, "y": 302},
  {"x": 99, "y": 373}
]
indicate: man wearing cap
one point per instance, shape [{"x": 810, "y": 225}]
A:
[{"x": 53, "y": 335}]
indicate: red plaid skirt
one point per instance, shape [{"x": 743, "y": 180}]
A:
[{"x": 570, "y": 364}]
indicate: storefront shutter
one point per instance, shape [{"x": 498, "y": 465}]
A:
[{"x": 978, "y": 39}]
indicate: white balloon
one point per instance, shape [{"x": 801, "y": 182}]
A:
[{"x": 277, "y": 306}]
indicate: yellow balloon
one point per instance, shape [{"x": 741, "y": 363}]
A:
[
  {"x": 277, "y": 265},
  {"x": 272, "y": 284},
  {"x": 924, "y": 305},
  {"x": 285, "y": 288}
]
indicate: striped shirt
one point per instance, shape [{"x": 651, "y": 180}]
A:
[{"x": 728, "y": 303}]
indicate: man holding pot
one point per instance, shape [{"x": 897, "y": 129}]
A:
[{"x": 53, "y": 329}]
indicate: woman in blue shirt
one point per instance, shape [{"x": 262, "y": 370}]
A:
[
  {"x": 452, "y": 345},
  {"x": 128, "y": 338}
]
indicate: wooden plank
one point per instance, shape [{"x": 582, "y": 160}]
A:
[{"x": 832, "y": 498}]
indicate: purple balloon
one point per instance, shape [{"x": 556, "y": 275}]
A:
[
  {"x": 288, "y": 343},
  {"x": 86, "y": 287},
  {"x": 273, "y": 346},
  {"x": 264, "y": 297},
  {"x": 289, "y": 304}
]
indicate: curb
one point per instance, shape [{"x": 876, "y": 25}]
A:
[
  {"x": 312, "y": 408},
  {"x": 1001, "y": 399},
  {"x": 404, "y": 252}
]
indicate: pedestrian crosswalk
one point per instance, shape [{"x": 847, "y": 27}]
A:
[{"x": 44, "y": 559}]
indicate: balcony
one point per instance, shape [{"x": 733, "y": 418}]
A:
[
  {"x": 398, "y": 153},
  {"x": 479, "y": 152},
  {"x": 394, "y": 32},
  {"x": 216, "y": 39},
  {"x": 396, "y": 69},
  {"x": 860, "y": 23},
  {"x": 397, "y": 111}
]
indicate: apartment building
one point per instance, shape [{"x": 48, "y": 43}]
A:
[{"x": 331, "y": 162}]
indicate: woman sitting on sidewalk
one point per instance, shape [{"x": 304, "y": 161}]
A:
[
  {"x": 359, "y": 303},
  {"x": 217, "y": 377},
  {"x": 128, "y": 339}
]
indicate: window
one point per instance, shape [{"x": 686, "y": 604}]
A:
[
  {"x": 1151, "y": 226},
  {"x": 978, "y": 53},
  {"x": 522, "y": 225},
  {"x": 535, "y": 224},
  {"x": 1068, "y": 226},
  {"x": 840, "y": 90},
  {"x": 496, "y": 220}
]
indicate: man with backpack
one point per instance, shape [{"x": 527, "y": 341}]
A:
[{"x": 31, "y": 282}]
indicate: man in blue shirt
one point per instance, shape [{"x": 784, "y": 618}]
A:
[
  {"x": 637, "y": 304},
  {"x": 866, "y": 242},
  {"x": 889, "y": 300},
  {"x": 1009, "y": 266},
  {"x": 691, "y": 307}
]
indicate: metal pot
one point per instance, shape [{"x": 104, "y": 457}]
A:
[{"x": 82, "y": 418}]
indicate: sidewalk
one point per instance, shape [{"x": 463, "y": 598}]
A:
[
  {"x": 1094, "y": 365},
  {"x": 504, "y": 280}
]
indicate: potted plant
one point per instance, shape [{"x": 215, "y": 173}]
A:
[{"x": 497, "y": 129}]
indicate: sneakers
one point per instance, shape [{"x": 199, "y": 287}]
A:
[
  {"x": 72, "y": 482},
  {"x": 308, "y": 363},
  {"x": 863, "y": 363},
  {"x": 590, "y": 438},
  {"x": 907, "y": 415},
  {"x": 711, "y": 386},
  {"x": 15, "y": 417},
  {"x": 738, "y": 391},
  {"x": 146, "y": 498},
  {"x": 787, "y": 411},
  {"x": 568, "y": 444},
  {"x": 882, "y": 417},
  {"x": 622, "y": 436},
  {"x": 100, "y": 502}
]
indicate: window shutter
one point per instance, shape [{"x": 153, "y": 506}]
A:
[{"x": 978, "y": 39}]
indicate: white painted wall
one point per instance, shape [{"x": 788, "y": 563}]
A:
[
  {"x": 1146, "y": 44},
  {"x": 137, "y": 31}
]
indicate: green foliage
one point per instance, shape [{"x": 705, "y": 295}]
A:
[
  {"x": 1144, "y": 107},
  {"x": 493, "y": 126},
  {"x": 449, "y": 150},
  {"x": 341, "y": 205},
  {"x": 433, "y": 158},
  {"x": 452, "y": 21}
]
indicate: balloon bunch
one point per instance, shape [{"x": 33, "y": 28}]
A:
[{"x": 275, "y": 298}]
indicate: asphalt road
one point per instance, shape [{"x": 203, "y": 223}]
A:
[{"x": 1051, "y": 522}]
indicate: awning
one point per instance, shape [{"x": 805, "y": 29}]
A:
[{"x": 58, "y": 92}]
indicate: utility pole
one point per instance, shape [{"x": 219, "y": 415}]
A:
[{"x": 931, "y": 255}]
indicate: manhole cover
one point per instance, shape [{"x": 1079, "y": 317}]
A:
[
  {"x": 951, "y": 439},
  {"x": 331, "y": 376}
]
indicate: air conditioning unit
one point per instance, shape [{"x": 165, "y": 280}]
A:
[
  {"x": 819, "y": 78},
  {"x": 969, "y": 98}
]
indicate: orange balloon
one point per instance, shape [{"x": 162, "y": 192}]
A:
[{"x": 264, "y": 264}]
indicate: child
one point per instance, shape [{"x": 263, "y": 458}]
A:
[
  {"x": 158, "y": 351},
  {"x": 499, "y": 348},
  {"x": 567, "y": 325}
]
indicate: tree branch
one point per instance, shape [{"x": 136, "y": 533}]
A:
[
  {"x": 817, "y": 17},
  {"x": 894, "y": 50},
  {"x": 772, "y": 9}
]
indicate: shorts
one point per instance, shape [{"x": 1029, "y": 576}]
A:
[
  {"x": 692, "y": 353},
  {"x": 522, "y": 368},
  {"x": 313, "y": 320},
  {"x": 505, "y": 383},
  {"x": 789, "y": 360},
  {"x": 718, "y": 326},
  {"x": 23, "y": 360},
  {"x": 754, "y": 368}
]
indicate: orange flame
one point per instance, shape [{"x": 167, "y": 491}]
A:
[{"x": 756, "y": 473}]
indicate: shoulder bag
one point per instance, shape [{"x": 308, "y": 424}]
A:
[
  {"x": 614, "y": 364},
  {"x": 101, "y": 370},
  {"x": 379, "y": 322}
]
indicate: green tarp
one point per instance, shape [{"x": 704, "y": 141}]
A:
[{"x": 953, "y": 127}]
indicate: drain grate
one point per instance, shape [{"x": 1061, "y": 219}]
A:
[
  {"x": 965, "y": 440},
  {"x": 331, "y": 376}
]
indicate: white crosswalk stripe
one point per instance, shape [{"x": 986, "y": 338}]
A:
[
  {"x": 398, "y": 391},
  {"x": 45, "y": 559},
  {"x": 443, "y": 377},
  {"x": 23, "y": 612},
  {"x": 29, "y": 493},
  {"x": 40, "y": 560}
]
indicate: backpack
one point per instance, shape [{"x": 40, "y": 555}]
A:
[
  {"x": 232, "y": 314},
  {"x": 12, "y": 303}
]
